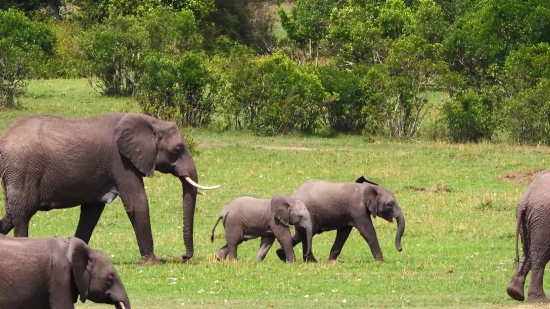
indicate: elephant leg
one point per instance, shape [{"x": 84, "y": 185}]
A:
[
  {"x": 265, "y": 244},
  {"x": 134, "y": 198},
  {"x": 517, "y": 284},
  {"x": 21, "y": 227},
  {"x": 341, "y": 237},
  {"x": 6, "y": 224},
  {"x": 296, "y": 239},
  {"x": 540, "y": 256},
  {"x": 366, "y": 229},
  {"x": 222, "y": 253},
  {"x": 89, "y": 216},
  {"x": 232, "y": 250}
]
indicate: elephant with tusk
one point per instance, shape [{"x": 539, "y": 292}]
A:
[{"x": 49, "y": 162}]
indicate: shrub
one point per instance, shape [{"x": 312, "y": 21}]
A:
[
  {"x": 181, "y": 91},
  {"x": 469, "y": 117},
  {"x": 271, "y": 95},
  {"x": 344, "y": 111},
  {"x": 112, "y": 53},
  {"x": 23, "y": 45}
]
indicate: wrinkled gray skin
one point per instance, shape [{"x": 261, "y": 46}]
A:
[
  {"x": 533, "y": 225},
  {"x": 247, "y": 218},
  {"x": 52, "y": 273},
  {"x": 48, "y": 162},
  {"x": 342, "y": 206}
]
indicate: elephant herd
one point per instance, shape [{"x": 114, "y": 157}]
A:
[{"x": 49, "y": 162}]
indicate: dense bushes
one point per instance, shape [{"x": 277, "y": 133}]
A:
[
  {"x": 346, "y": 66},
  {"x": 23, "y": 45}
]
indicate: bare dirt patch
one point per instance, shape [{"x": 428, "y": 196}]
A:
[
  {"x": 520, "y": 177},
  {"x": 433, "y": 189}
]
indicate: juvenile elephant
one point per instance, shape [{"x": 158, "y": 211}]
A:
[
  {"x": 48, "y": 162},
  {"x": 51, "y": 273},
  {"x": 533, "y": 225},
  {"x": 247, "y": 218},
  {"x": 342, "y": 206}
]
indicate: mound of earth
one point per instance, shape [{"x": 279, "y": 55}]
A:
[{"x": 520, "y": 177}]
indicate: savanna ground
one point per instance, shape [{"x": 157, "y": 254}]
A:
[{"x": 459, "y": 204}]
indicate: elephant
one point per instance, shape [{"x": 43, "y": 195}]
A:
[
  {"x": 342, "y": 206},
  {"x": 247, "y": 218},
  {"x": 49, "y": 162},
  {"x": 51, "y": 273},
  {"x": 533, "y": 226}
]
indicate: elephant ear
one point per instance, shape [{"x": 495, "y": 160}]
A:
[
  {"x": 280, "y": 206},
  {"x": 137, "y": 140},
  {"x": 372, "y": 199},
  {"x": 362, "y": 179},
  {"x": 82, "y": 263}
]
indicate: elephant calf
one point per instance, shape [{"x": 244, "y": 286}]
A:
[
  {"x": 247, "y": 218},
  {"x": 50, "y": 273},
  {"x": 533, "y": 225},
  {"x": 343, "y": 206}
]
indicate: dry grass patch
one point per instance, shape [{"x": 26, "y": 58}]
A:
[{"x": 521, "y": 177}]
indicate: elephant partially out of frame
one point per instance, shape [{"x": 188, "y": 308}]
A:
[
  {"x": 343, "y": 206},
  {"x": 48, "y": 162},
  {"x": 533, "y": 225},
  {"x": 52, "y": 273}
]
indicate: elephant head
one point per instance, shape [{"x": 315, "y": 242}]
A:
[
  {"x": 293, "y": 211},
  {"x": 94, "y": 276},
  {"x": 381, "y": 202},
  {"x": 152, "y": 144}
]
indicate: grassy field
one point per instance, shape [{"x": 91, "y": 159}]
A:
[{"x": 459, "y": 204}]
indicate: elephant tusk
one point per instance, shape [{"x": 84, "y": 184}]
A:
[
  {"x": 201, "y": 193},
  {"x": 122, "y": 305},
  {"x": 199, "y": 186}
]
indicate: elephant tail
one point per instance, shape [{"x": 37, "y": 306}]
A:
[
  {"x": 215, "y": 225},
  {"x": 521, "y": 224}
]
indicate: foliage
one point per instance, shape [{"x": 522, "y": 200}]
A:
[
  {"x": 23, "y": 45},
  {"x": 272, "y": 95},
  {"x": 527, "y": 76},
  {"x": 181, "y": 91},
  {"x": 344, "y": 111},
  {"x": 469, "y": 117}
]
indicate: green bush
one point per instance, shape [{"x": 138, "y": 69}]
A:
[
  {"x": 344, "y": 111},
  {"x": 271, "y": 95},
  {"x": 112, "y": 53},
  {"x": 23, "y": 45},
  {"x": 469, "y": 117},
  {"x": 181, "y": 91}
]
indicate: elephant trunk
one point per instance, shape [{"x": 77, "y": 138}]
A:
[
  {"x": 189, "y": 201},
  {"x": 398, "y": 215},
  {"x": 309, "y": 236}
]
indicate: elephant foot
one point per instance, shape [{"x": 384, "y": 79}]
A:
[
  {"x": 149, "y": 260},
  {"x": 186, "y": 257},
  {"x": 515, "y": 291},
  {"x": 541, "y": 298},
  {"x": 281, "y": 254},
  {"x": 310, "y": 259}
]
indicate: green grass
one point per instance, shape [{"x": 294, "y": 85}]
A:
[{"x": 458, "y": 247}]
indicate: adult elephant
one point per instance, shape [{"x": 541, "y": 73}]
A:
[
  {"x": 343, "y": 206},
  {"x": 533, "y": 225},
  {"x": 49, "y": 162}
]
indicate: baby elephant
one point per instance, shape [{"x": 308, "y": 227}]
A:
[
  {"x": 50, "y": 273},
  {"x": 247, "y": 218}
]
